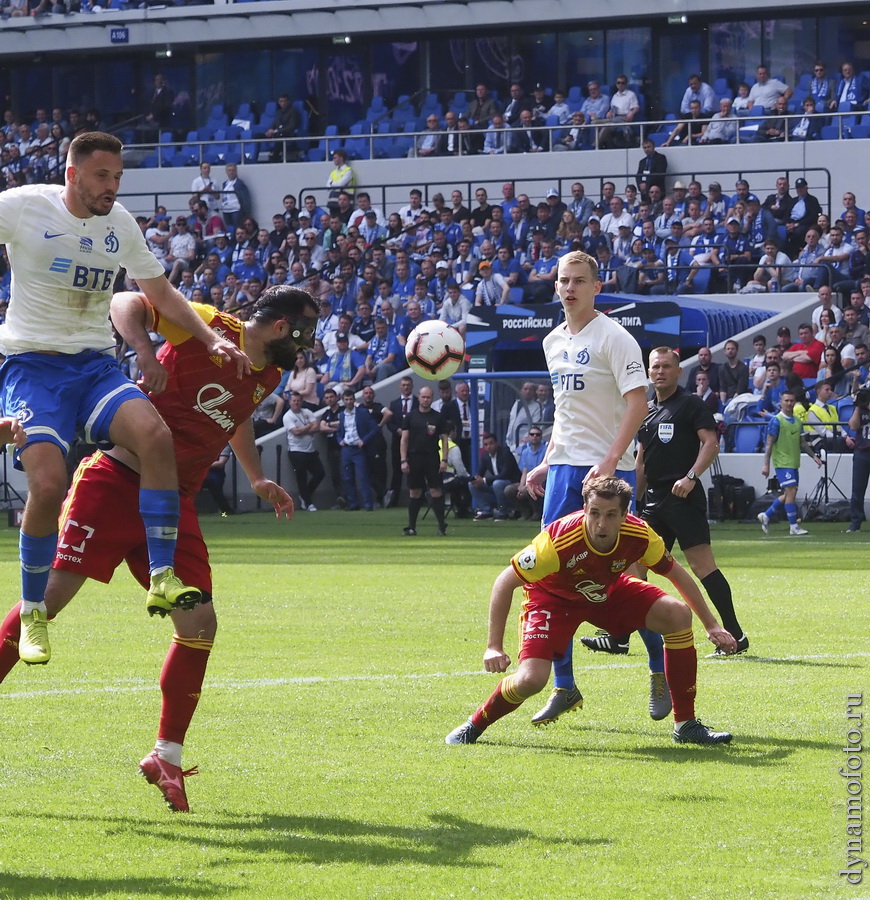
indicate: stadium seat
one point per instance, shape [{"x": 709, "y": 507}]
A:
[
  {"x": 845, "y": 408},
  {"x": 244, "y": 114},
  {"x": 458, "y": 103},
  {"x": 381, "y": 145},
  {"x": 404, "y": 110},
  {"x": 721, "y": 88},
  {"x": 830, "y": 132},
  {"x": 304, "y": 118},
  {"x": 216, "y": 153},
  {"x": 747, "y": 438},
  {"x": 250, "y": 148},
  {"x": 701, "y": 281},
  {"x": 858, "y": 132},
  {"x": 431, "y": 106},
  {"x": 575, "y": 94},
  {"x": 267, "y": 117},
  {"x": 376, "y": 109},
  {"x": 357, "y": 146},
  {"x": 218, "y": 118},
  {"x": 166, "y": 151}
]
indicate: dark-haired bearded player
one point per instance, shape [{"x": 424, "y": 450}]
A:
[{"x": 204, "y": 403}]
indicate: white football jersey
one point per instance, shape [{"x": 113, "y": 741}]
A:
[
  {"x": 63, "y": 270},
  {"x": 591, "y": 372}
]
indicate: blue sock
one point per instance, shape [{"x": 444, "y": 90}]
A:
[
  {"x": 791, "y": 512},
  {"x": 159, "y": 511},
  {"x": 655, "y": 648},
  {"x": 774, "y": 508},
  {"x": 563, "y": 669},
  {"x": 37, "y": 555}
]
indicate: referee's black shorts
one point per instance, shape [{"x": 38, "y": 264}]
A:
[
  {"x": 424, "y": 471},
  {"x": 681, "y": 519}
]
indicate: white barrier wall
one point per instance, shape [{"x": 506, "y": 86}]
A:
[{"x": 533, "y": 174}]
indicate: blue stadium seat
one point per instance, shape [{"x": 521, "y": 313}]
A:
[
  {"x": 381, "y": 145},
  {"x": 267, "y": 117},
  {"x": 166, "y": 151},
  {"x": 404, "y": 110},
  {"x": 747, "y": 438},
  {"x": 721, "y": 88},
  {"x": 357, "y": 146},
  {"x": 458, "y": 103},
  {"x": 250, "y": 149},
  {"x": 845, "y": 408},
  {"x": 858, "y": 132},
  {"x": 830, "y": 132},
  {"x": 304, "y": 117},
  {"x": 188, "y": 152},
  {"x": 218, "y": 118},
  {"x": 377, "y": 109},
  {"x": 216, "y": 153},
  {"x": 431, "y": 106},
  {"x": 701, "y": 281}
]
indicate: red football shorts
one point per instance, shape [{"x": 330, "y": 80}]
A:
[
  {"x": 100, "y": 527},
  {"x": 547, "y": 623}
]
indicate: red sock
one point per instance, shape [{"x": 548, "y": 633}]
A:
[
  {"x": 681, "y": 671},
  {"x": 10, "y": 631},
  {"x": 504, "y": 700},
  {"x": 181, "y": 684}
]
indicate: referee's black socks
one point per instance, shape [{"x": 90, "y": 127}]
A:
[{"x": 719, "y": 591}]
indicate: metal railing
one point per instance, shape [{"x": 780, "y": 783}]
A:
[{"x": 398, "y": 144}]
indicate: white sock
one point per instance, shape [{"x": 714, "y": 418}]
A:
[
  {"x": 27, "y": 606},
  {"x": 169, "y": 751},
  {"x": 679, "y": 725},
  {"x": 159, "y": 570}
]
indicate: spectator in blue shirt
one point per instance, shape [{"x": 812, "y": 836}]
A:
[
  {"x": 346, "y": 367},
  {"x": 384, "y": 354},
  {"x": 248, "y": 267}
]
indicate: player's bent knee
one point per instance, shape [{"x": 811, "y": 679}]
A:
[
  {"x": 199, "y": 622},
  {"x": 668, "y": 615},
  {"x": 532, "y": 677}
]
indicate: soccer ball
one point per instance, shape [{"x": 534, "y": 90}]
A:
[{"x": 435, "y": 350}]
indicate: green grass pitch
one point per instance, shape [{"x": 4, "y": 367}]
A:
[{"x": 345, "y": 653}]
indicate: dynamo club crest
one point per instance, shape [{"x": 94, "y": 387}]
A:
[{"x": 666, "y": 432}]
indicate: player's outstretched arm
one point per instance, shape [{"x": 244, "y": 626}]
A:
[
  {"x": 245, "y": 449},
  {"x": 12, "y": 432},
  {"x": 691, "y": 593},
  {"x": 494, "y": 658},
  {"x": 170, "y": 303},
  {"x": 133, "y": 318}
]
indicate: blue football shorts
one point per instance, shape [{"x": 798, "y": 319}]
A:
[
  {"x": 786, "y": 477},
  {"x": 56, "y": 395},
  {"x": 564, "y": 490}
]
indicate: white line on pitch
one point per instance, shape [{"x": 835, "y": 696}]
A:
[{"x": 319, "y": 679}]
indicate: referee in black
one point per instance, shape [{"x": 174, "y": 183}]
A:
[
  {"x": 677, "y": 441},
  {"x": 424, "y": 459}
]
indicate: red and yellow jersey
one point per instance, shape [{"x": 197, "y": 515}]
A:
[
  {"x": 562, "y": 562},
  {"x": 204, "y": 401}
]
